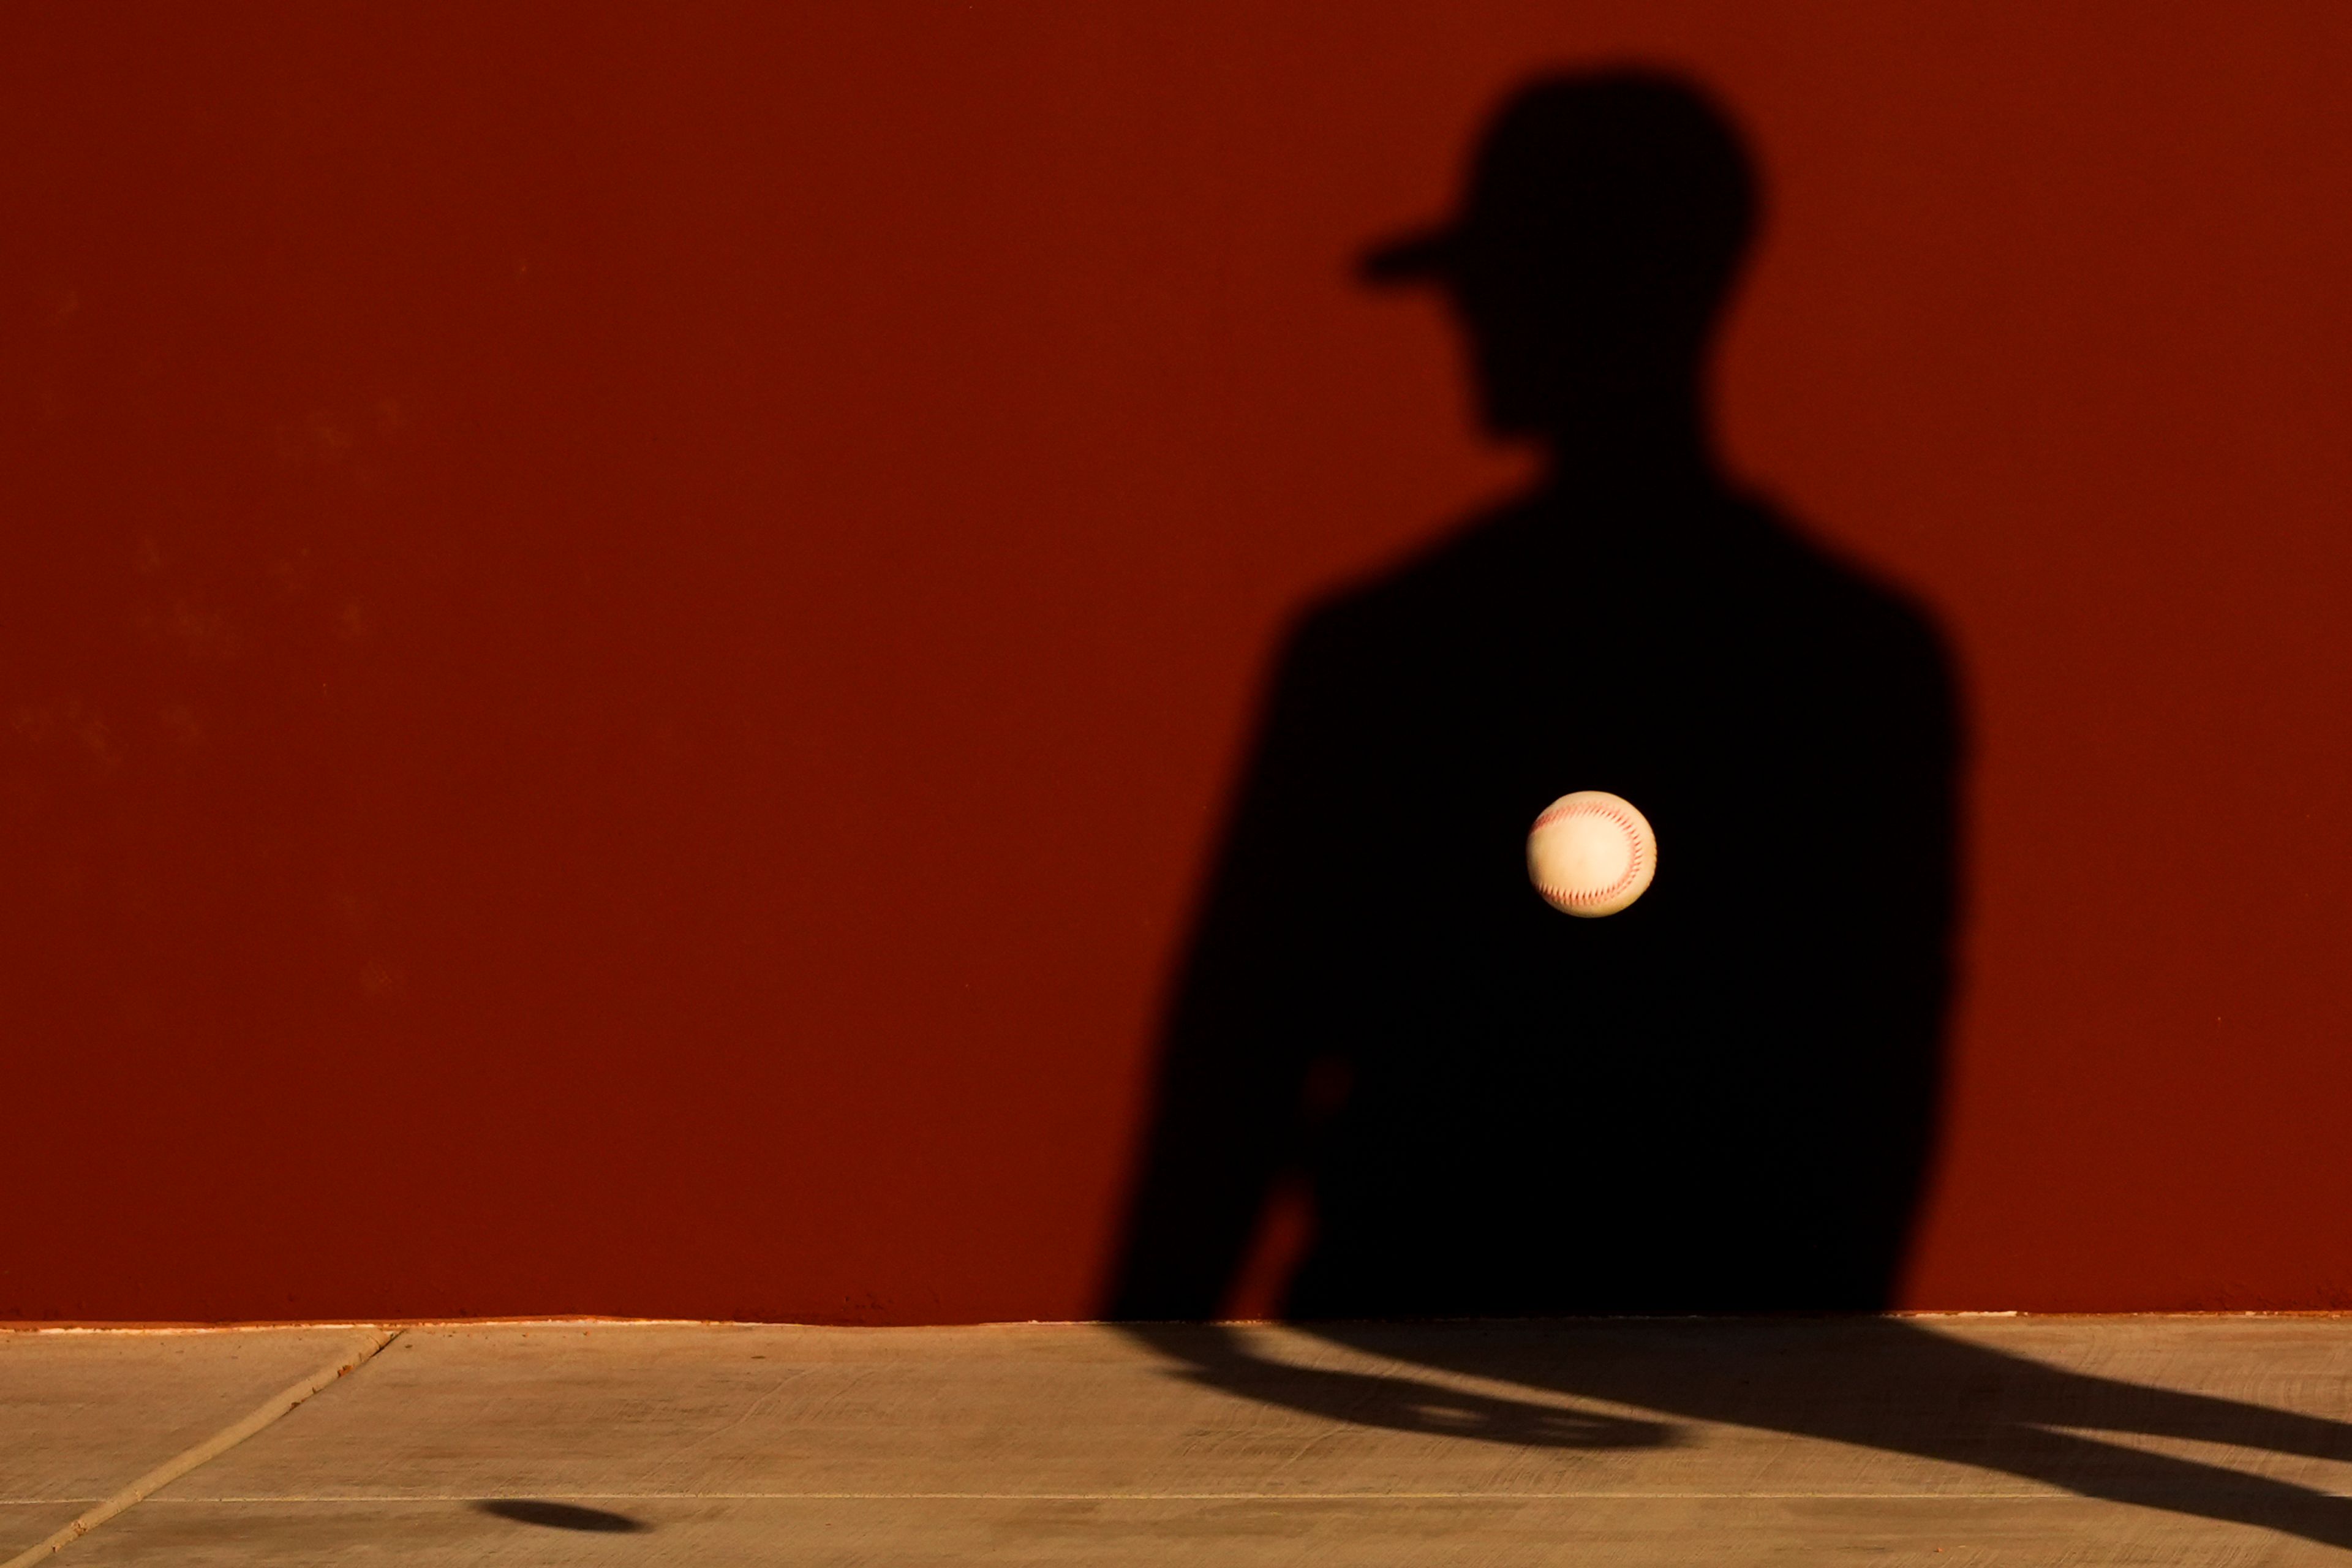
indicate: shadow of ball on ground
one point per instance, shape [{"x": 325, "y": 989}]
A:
[{"x": 558, "y": 1515}]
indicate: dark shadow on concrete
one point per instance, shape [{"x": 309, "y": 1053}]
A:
[
  {"x": 1217, "y": 1357},
  {"x": 1723, "y": 1098},
  {"x": 559, "y": 1515},
  {"x": 1892, "y": 1385}
]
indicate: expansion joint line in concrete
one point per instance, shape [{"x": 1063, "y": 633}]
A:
[{"x": 212, "y": 1447}]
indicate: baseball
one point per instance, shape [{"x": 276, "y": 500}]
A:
[{"x": 1591, "y": 853}]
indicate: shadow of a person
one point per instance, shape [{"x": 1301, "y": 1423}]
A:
[
  {"x": 1721, "y": 1100},
  {"x": 1892, "y": 1385}
]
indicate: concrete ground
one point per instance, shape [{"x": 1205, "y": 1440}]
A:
[{"x": 1937, "y": 1441}]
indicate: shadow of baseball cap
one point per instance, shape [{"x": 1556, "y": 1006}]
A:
[{"x": 1624, "y": 171}]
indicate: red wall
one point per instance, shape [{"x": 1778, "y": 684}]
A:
[{"x": 620, "y": 636}]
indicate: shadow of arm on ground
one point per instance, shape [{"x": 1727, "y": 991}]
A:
[
  {"x": 1903, "y": 1387},
  {"x": 1216, "y": 1356}
]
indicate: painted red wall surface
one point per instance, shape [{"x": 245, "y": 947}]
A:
[{"x": 621, "y": 627}]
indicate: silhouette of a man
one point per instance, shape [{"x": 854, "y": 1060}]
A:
[{"x": 1721, "y": 1100}]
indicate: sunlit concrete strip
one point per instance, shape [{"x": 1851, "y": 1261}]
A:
[
  {"x": 212, "y": 1447},
  {"x": 1639, "y": 1443}
]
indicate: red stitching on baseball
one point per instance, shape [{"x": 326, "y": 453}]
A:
[{"x": 1633, "y": 843}]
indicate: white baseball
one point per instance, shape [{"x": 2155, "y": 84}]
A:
[{"x": 1591, "y": 853}]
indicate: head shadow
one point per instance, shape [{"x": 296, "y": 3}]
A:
[
  {"x": 1721, "y": 1100},
  {"x": 1604, "y": 221}
]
